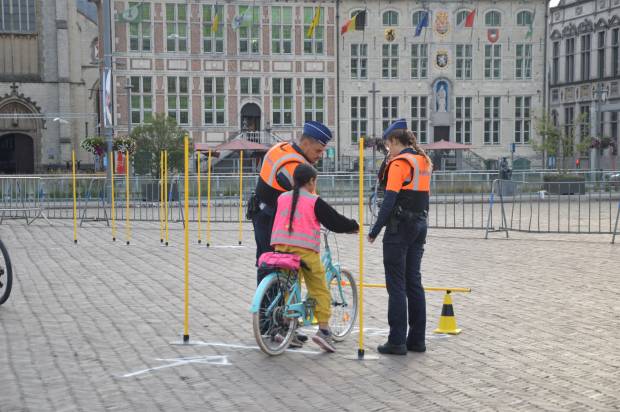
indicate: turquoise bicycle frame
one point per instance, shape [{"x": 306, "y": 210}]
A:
[{"x": 296, "y": 310}]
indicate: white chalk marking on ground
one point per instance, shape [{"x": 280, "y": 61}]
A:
[
  {"x": 237, "y": 346},
  {"x": 226, "y": 246},
  {"x": 209, "y": 360}
]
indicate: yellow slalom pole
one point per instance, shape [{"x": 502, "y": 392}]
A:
[
  {"x": 209, "y": 200},
  {"x": 113, "y": 200},
  {"x": 166, "y": 194},
  {"x": 127, "y": 227},
  {"x": 74, "y": 199},
  {"x": 186, "y": 268},
  {"x": 199, "y": 198},
  {"x": 360, "y": 350},
  {"x": 161, "y": 196},
  {"x": 240, "y": 195}
]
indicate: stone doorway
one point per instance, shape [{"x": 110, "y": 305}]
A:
[{"x": 16, "y": 154}]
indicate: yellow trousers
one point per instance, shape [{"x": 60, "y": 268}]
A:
[{"x": 314, "y": 276}]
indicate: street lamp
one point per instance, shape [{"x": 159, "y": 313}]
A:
[
  {"x": 128, "y": 87},
  {"x": 600, "y": 94}
]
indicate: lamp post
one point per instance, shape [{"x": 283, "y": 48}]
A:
[
  {"x": 600, "y": 94},
  {"x": 374, "y": 92},
  {"x": 128, "y": 88}
]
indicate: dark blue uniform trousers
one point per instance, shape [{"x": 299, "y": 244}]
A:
[
  {"x": 263, "y": 225},
  {"x": 402, "y": 255}
]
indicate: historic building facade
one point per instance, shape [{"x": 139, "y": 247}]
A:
[
  {"x": 481, "y": 85},
  {"x": 48, "y": 81},
  {"x": 584, "y": 53},
  {"x": 221, "y": 68}
]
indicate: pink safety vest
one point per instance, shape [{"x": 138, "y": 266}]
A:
[{"x": 306, "y": 231}]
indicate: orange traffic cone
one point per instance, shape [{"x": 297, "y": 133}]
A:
[{"x": 447, "y": 321}]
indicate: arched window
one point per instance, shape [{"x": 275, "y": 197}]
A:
[
  {"x": 390, "y": 18},
  {"x": 354, "y": 12},
  {"x": 417, "y": 16},
  {"x": 524, "y": 18},
  {"x": 461, "y": 16},
  {"x": 493, "y": 19}
]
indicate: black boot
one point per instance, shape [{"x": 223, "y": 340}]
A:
[{"x": 390, "y": 349}]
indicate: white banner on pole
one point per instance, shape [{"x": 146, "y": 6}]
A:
[{"x": 107, "y": 98}]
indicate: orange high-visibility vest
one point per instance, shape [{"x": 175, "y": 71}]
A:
[
  {"x": 420, "y": 180},
  {"x": 281, "y": 158}
]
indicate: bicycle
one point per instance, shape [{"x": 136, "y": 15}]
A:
[
  {"x": 277, "y": 306},
  {"x": 6, "y": 274}
]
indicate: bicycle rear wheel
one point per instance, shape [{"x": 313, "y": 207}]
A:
[
  {"x": 272, "y": 330},
  {"x": 344, "y": 305},
  {"x": 6, "y": 274}
]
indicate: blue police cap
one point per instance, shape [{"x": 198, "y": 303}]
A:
[
  {"x": 318, "y": 131},
  {"x": 398, "y": 124}
]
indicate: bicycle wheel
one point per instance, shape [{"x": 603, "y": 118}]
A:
[
  {"x": 6, "y": 274},
  {"x": 344, "y": 305},
  {"x": 272, "y": 330}
]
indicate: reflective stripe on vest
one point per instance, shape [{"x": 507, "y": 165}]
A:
[
  {"x": 278, "y": 156},
  {"x": 421, "y": 173},
  {"x": 306, "y": 231}
]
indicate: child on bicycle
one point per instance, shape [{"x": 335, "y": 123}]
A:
[{"x": 297, "y": 230}]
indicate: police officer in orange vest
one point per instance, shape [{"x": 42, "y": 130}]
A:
[
  {"x": 276, "y": 177},
  {"x": 407, "y": 177}
]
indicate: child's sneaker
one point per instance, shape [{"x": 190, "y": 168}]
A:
[{"x": 324, "y": 340}]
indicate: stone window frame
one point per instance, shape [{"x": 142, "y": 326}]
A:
[
  {"x": 419, "y": 118},
  {"x": 463, "y": 117},
  {"x": 359, "y": 117},
  {"x": 279, "y": 41},
  {"x": 214, "y": 100},
  {"x": 314, "y": 99},
  {"x": 492, "y": 119},
  {"x": 523, "y": 119}
]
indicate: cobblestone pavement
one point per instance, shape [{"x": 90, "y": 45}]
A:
[{"x": 85, "y": 323}]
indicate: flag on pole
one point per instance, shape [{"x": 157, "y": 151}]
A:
[
  {"x": 530, "y": 31},
  {"x": 131, "y": 14},
  {"x": 242, "y": 19},
  {"x": 215, "y": 25},
  {"x": 356, "y": 22},
  {"x": 314, "y": 23},
  {"x": 421, "y": 24},
  {"x": 468, "y": 21}
]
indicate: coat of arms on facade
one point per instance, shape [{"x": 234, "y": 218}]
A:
[
  {"x": 441, "y": 59},
  {"x": 441, "y": 23},
  {"x": 390, "y": 34},
  {"x": 493, "y": 35}
]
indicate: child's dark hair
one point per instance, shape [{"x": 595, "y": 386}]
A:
[{"x": 303, "y": 174}]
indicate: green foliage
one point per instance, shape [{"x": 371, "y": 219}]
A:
[
  {"x": 124, "y": 144},
  {"x": 95, "y": 145},
  {"x": 162, "y": 134},
  {"x": 559, "y": 144}
]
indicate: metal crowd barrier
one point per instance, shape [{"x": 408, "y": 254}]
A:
[
  {"x": 587, "y": 207},
  {"x": 20, "y": 198}
]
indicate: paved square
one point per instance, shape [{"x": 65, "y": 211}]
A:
[{"x": 89, "y": 327}]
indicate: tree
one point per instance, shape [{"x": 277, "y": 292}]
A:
[
  {"x": 559, "y": 144},
  {"x": 162, "y": 134}
]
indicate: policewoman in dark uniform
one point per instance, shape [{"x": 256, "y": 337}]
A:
[
  {"x": 276, "y": 177},
  {"x": 407, "y": 177}
]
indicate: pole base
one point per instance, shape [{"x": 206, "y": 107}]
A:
[
  {"x": 185, "y": 339},
  {"x": 208, "y": 244},
  {"x": 199, "y": 241},
  {"x": 361, "y": 356},
  {"x": 127, "y": 243},
  {"x": 161, "y": 240},
  {"x": 239, "y": 243},
  {"x": 113, "y": 239},
  {"x": 166, "y": 243},
  {"x": 75, "y": 241}
]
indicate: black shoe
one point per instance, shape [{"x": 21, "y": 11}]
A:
[
  {"x": 301, "y": 337},
  {"x": 416, "y": 348},
  {"x": 390, "y": 349}
]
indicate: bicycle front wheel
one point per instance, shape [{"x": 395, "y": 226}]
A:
[
  {"x": 273, "y": 331},
  {"x": 343, "y": 291},
  {"x": 6, "y": 274}
]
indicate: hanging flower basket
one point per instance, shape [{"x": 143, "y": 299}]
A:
[
  {"x": 125, "y": 144},
  {"x": 94, "y": 145}
]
